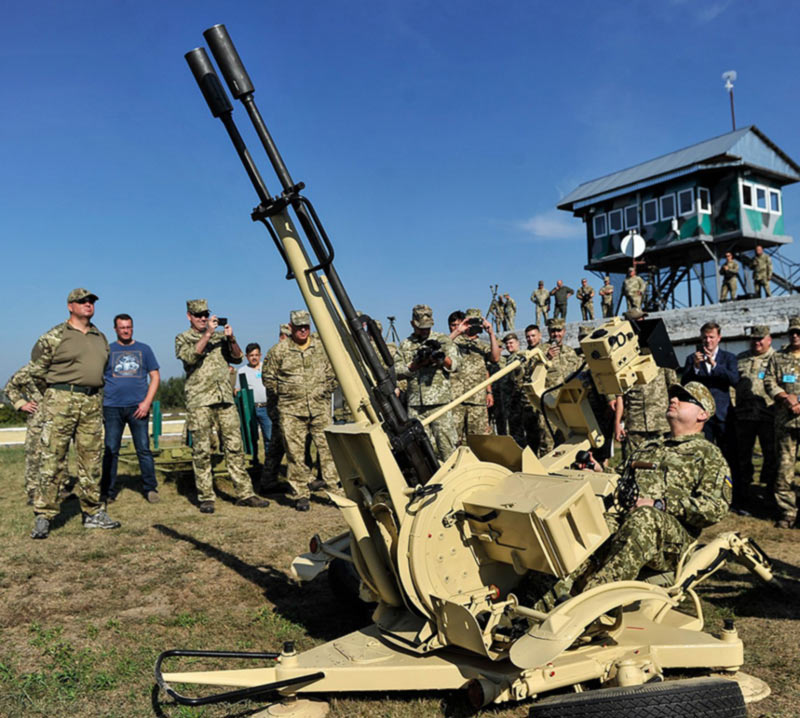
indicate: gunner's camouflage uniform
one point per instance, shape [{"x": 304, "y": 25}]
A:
[
  {"x": 210, "y": 406},
  {"x": 19, "y": 390},
  {"x": 429, "y": 389},
  {"x": 302, "y": 383},
  {"x": 472, "y": 415},
  {"x": 645, "y": 408},
  {"x": 783, "y": 374},
  {"x": 561, "y": 366}
]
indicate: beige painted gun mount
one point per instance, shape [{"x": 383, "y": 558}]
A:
[{"x": 443, "y": 549}]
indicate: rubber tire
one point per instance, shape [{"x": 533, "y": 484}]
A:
[{"x": 689, "y": 698}]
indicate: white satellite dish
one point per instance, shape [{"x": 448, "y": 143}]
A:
[{"x": 632, "y": 245}]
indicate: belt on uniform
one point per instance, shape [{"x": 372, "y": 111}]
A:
[
  {"x": 76, "y": 388},
  {"x": 260, "y": 404}
]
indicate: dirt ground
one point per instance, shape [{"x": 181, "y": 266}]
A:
[{"x": 84, "y": 614}]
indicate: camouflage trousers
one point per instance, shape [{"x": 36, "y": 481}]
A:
[
  {"x": 441, "y": 432},
  {"x": 759, "y": 284},
  {"x": 294, "y": 430},
  {"x": 274, "y": 451},
  {"x": 647, "y": 538},
  {"x": 470, "y": 419},
  {"x": 33, "y": 451},
  {"x": 729, "y": 287},
  {"x": 787, "y": 440},
  {"x": 67, "y": 416},
  {"x": 510, "y": 317},
  {"x": 634, "y": 301},
  {"x": 541, "y": 316},
  {"x": 608, "y": 309},
  {"x": 746, "y": 433},
  {"x": 587, "y": 311},
  {"x": 204, "y": 422}
]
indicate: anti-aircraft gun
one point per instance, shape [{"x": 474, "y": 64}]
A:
[{"x": 441, "y": 549}]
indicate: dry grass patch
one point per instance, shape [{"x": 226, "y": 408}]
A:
[{"x": 85, "y": 614}]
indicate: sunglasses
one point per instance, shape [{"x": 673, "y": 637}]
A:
[
  {"x": 200, "y": 315},
  {"x": 794, "y": 331},
  {"x": 85, "y": 300}
]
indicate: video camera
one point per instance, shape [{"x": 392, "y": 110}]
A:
[
  {"x": 475, "y": 326},
  {"x": 429, "y": 353}
]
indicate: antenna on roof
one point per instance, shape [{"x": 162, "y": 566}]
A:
[{"x": 729, "y": 77}]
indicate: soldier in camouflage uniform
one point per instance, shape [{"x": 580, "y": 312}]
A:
[
  {"x": 755, "y": 417},
  {"x": 782, "y": 383},
  {"x": 26, "y": 396},
  {"x": 633, "y": 289},
  {"x": 643, "y": 408},
  {"x": 762, "y": 272},
  {"x": 524, "y": 420},
  {"x": 684, "y": 486},
  {"x": 541, "y": 300},
  {"x": 730, "y": 276},
  {"x": 585, "y": 295},
  {"x": 298, "y": 373},
  {"x": 71, "y": 359},
  {"x": 205, "y": 354},
  {"x": 472, "y": 415},
  {"x": 563, "y": 362},
  {"x": 428, "y": 375},
  {"x": 607, "y": 298},
  {"x": 509, "y": 312},
  {"x": 274, "y": 451},
  {"x": 561, "y": 294}
]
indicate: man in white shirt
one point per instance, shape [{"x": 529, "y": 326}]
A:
[{"x": 252, "y": 374}]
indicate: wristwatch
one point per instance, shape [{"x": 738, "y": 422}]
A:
[{"x": 659, "y": 504}]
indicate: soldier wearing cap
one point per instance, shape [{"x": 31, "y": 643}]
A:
[
  {"x": 564, "y": 360},
  {"x": 70, "y": 359},
  {"x": 684, "y": 486},
  {"x": 782, "y": 383},
  {"x": 633, "y": 289},
  {"x": 755, "y": 416},
  {"x": 274, "y": 451},
  {"x": 730, "y": 275},
  {"x": 475, "y": 355},
  {"x": 206, "y": 354},
  {"x": 297, "y": 373},
  {"x": 585, "y": 295},
  {"x": 509, "y": 313},
  {"x": 541, "y": 300},
  {"x": 762, "y": 272},
  {"x": 607, "y": 297},
  {"x": 426, "y": 359}
]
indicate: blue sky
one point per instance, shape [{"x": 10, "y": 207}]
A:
[{"x": 435, "y": 140}]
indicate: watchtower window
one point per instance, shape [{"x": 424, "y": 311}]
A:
[
  {"x": 686, "y": 202},
  {"x": 747, "y": 195},
  {"x": 761, "y": 198},
  {"x": 631, "y": 217},
  {"x": 704, "y": 200},
  {"x": 667, "y": 206},
  {"x": 615, "y": 221},
  {"x": 650, "y": 211},
  {"x": 600, "y": 225},
  {"x": 775, "y": 201}
]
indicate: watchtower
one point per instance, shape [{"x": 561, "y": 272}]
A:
[{"x": 692, "y": 206}]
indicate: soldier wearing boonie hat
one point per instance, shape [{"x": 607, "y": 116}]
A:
[
  {"x": 782, "y": 383},
  {"x": 563, "y": 361},
  {"x": 755, "y": 417}
]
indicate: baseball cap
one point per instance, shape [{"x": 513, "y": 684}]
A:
[
  {"x": 77, "y": 294},
  {"x": 300, "y": 318},
  {"x": 422, "y": 316},
  {"x": 195, "y": 306},
  {"x": 759, "y": 331},
  {"x": 696, "y": 393}
]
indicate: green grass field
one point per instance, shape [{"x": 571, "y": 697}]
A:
[{"x": 84, "y": 614}]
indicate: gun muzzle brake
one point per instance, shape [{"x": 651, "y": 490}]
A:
[
  {"x": 209, "y": 83},
  {"x": 231, "y": 66}
]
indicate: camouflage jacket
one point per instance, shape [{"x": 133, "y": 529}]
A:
[
  {"x": 428, "y": 385},
  {"x": 208, "y": 379},
  {"x": 730, "y": 270},
  {"x": 646, "y": 405},
  {"x": 783, "y": 374},
  {"x": 510, "y": 307},
  {"x": 633, "y": 286},
  {"x": 561, "y": 366},
  {"x": 607, "y": 293},
  {"x": 21, "y": 388},
  {"x": 473, "y": 356},
  {"x": 690, "y": 475},
  {"x": 45, "y": 358},
  {"x": 585, "y": 294},
  {"x": 510, "y": 386},
  {"x": 302, "y": 380},
  {"x": 541, "y": 298},
  {"x": 762, "y": 267},
  {"x": 752, "y": 401}
]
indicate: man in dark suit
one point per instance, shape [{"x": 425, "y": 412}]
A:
[{"x": 718, "y": 370}]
